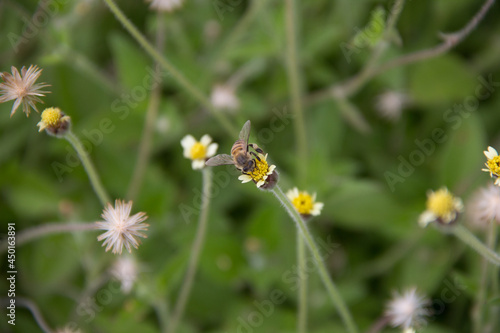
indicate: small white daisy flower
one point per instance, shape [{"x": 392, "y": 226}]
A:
[
  {"x": 22, "y": 88},
  {"x": 125, "y": 270},
  {"x": 390, "y": 104},
  {"x": 407, "y": 310},
  {"x": 442, "y": 207},
  {"x": 122, "y": 229},
  {"x": 165, "y": 5},
  {"x": 224, "y": 98},
  {"x": 260, "y": 173},
  {"x": 304, "y": 202},
  {"x": 492, "y": 164},
  {"x": 198, "y": 151}
]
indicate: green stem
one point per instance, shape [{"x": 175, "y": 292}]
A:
[
  {"x": 295, "y": 86},
  {"x": 151, "y": 115},
  {"x": 173, "y": 71},
  {"x": 161, "y": 310},
  {"x": 89, "y": 167},
  {"x": 302, "y": 309},
  {"x": 294, "y": 75},
  {"x": 334, "y": 294},
  {"x": 477, "y": 313},
  {"x": 494, "y": 309},
  {"x": 35, "y": 311},
  {"x": 468, "y": 238},
  {"x": 195, "y": 253},
  {"x": 27, "y": 235}
]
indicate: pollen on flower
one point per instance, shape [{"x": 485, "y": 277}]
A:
[
  {"x": 51, "y": 116},
  {"x": 442, "y": 207},
  {"x": 198, "y": 151},
  {"x": 441, "y": 202},
  {"x": 303, "y": 203},
  {"x": 260, "y": 171},
  {"x": 54, "y": 121},
  {"x": 494, "y": 165},
  {"x": 263, "y": 175}
]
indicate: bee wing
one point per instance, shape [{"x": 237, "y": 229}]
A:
[
  {"x": 221, "y": 159},
  {"x": 245, "y": 132}
]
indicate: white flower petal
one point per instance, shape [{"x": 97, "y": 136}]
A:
[
  {"x": 187, "y": 143},
  {"x": 245, "y": 178},
  {"x": 490, "y": 153},
  {"x": 206, "y": 140},
  {"x": 292, "y": 194},
  {"x": 260, "y": 183},
  {"x": 317, "y": 207},
  {"x": 212, "y": 149},
  {"x": 198, "y": 164},
  {"x": 426, "y": 218}
]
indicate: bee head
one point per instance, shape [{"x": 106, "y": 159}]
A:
[{"x": 249, "y": 166}]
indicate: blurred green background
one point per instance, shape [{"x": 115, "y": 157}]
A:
[{"x": 92, "y": 63}]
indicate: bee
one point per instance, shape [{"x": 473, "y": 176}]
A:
[{"x": 241, "y": 157}]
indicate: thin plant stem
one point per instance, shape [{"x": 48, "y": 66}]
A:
[
  {"x": 494, "y": 309},
  {"x": 187, "y": 85},
  {"x": 332, "y": 290},
  {"x": 161, "y": 309},
  {"x": 195, "y": 253},
  {"x": 295, "y": 85},
  {"x": 95, "y": 181},
  {"x": 301, "y": 264},
  {"x": 86, "y": 67},
  {"x": 294, "y": 76},
  {"x": 46, "y": 229},
  {"x": 449, "y": 41},
  {"x": 352, "y": 85},
  {"x": 241, "y": 27},
  {"x": 371, "y": 65},
  {"x": 35, "y": 311},
  {"x": 468, "y": 238},
  {"x": 478, "y": 310},
  {"x": 379, "y": 325},
  {"x": 151, "y": 114}
]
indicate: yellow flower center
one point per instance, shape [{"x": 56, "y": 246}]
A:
[
  {"x": 198, "y": 151},
  {"x": 441, "y": 203},
  {"x": 261, "y": 169},
  {"x": 303, "y": 203},
  {"x": 494, "y": 165},
  {"x": 51, "y": 117}
]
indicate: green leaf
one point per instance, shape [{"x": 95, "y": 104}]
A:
[
  {"x": 442, "y": 80},
  {"x": 462, "y": 156},
  {"x": 130, "y": 61},
  {"x": 373, "y": 31}
]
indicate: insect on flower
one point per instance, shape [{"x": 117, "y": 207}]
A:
[{"x": 241, "y": 156}]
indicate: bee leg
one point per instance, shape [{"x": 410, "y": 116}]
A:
[
  {"x": 256, "y": 148},
  {"x": 256, "y": 156}
]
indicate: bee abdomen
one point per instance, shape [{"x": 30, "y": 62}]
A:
[{"x": 238, "y": 146}]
